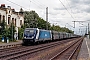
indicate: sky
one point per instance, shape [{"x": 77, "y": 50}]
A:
[{"x": 60, "y": 12}]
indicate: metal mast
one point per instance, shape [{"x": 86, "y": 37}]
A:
[{"x": 47, "y": 18}]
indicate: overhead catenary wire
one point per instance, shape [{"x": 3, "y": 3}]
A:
[
  {"x": 16, "y": 4},
  {"x": 36, "y": 4},
  {"x": 67, "y": 10},
  {"x": 30, "y": 5},
  {"x": 24, "y": 7},
  {"x": 69, "y": 6},
  {"x": 70, "y": 25},
  {"x": 43, "y": 9},
  {"x": 41, "y": 4}
]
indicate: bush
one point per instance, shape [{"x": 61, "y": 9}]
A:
[{"x": 20, "y": 33}]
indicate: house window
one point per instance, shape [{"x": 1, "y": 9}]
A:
[
  {"x": 9, "y": 11},
  {"x": 8, "y": 20},
  {"x": 3, "y": 17},
  {"x": 20, "y": 22},
  {"x": 15, "y": 22}
]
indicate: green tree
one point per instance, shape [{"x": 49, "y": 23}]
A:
[
  {"x": 11, "y": 32},
  {"x": 4, "y": 30},
  {"x": 33, "y": 20},
  {"x": 20, "y": 32},
  {"x": 42, "y": 24},
  {"x": 30, "y": 19},
  {"x": 61, "y": 29},
  {"x": 7, "y": 31}
]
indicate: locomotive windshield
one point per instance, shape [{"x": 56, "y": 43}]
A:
[{"x": 29, "y": 31}]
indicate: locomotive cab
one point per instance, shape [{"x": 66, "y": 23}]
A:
[{"x": 30, "y": 35}]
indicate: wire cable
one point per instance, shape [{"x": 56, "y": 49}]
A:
[
  {"x": 36, "y": 4},
  {"x": 69, "y": 6},
  {"x": 16, "y": 4},
  {"x": 40, "y": 3},
  {"x": 67, "y": 9}
]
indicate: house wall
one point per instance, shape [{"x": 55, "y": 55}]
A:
[{"x": 7, "y": 12}]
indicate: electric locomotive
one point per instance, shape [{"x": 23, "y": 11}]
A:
[{"x": 32, "y": 35}]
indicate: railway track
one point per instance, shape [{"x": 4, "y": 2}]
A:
[
  {"x": 10, "y": 45},
  {"x": 68, "y": 53},
  {"x": 18, "y": 52},
  {"x": 8, "y": 50}
]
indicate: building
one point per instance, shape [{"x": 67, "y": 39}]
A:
[{"x": 11, "y": 16}]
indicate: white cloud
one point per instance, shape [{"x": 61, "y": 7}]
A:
[{"x": 79, "y": 9}]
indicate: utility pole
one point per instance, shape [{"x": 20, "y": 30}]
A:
[
  {"x": 47, "y": 18},
  {"x": 87, "y": 27},
  {"x": 78, "y": 21},
  {"x": 74, "y": 24},
  {"x": 12, "y": 31},
  {"x": 81, "y": 21},
  {"x": 88, "y": 30}
]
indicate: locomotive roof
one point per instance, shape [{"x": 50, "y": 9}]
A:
[{"x": 31, "y": 28}]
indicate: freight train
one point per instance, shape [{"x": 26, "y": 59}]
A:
[{"x": 32, "y": 35}]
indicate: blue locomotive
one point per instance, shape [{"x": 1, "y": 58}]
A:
[{"x": 32, "y": 35}]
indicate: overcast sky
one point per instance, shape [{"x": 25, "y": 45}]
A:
[{"x": 78, "y": 10}]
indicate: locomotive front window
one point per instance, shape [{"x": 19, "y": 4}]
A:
[{"x": 29, "y": 31}]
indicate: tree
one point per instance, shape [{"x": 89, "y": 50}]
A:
[
  {"x": 41, "y": 23},
  {"x": 7, "y": 31},
  {"x": 30, "y": 19},
  {"x": 20, "y": 32},
  {"x": 11, "y": 32},
  {"x": 61, "y": 29},
  {"x": 4, "y": 30}
]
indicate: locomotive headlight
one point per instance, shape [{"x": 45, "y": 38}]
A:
[
  {"x": 32, "y": 36},
  {"x": 25, "y": 37}
]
